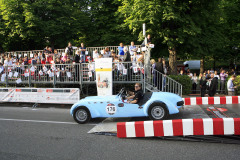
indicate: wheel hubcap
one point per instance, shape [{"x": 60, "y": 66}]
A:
[
  {"x": 158, "y": 112},
  {"x": 81, "y": 115}
]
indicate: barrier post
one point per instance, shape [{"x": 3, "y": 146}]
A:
[
  {"x": 54, "y": 79},
  {"x": 6, "y": 69},
  {"x": 29, "y": 77}
]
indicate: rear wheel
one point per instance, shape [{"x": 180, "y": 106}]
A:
[
  {"x": 157, "y": 111},
  {"x": 82, "y": 115}
]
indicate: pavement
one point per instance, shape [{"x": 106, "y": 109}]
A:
[{"x": 50, "y": 133}]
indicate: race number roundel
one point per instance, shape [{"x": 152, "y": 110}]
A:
[{"x": 111, "y": 109}]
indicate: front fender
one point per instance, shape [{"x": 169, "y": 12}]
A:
[{"x": 94, "y": 113}]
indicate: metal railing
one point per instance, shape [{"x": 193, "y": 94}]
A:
[
  {"x": 84, "y": 73},
  {"x": 90, "y": 50},
  {"x": 122, "y": 72},
  {"x": 161, "y": 82},
  {"x": 40, "y": 74}
]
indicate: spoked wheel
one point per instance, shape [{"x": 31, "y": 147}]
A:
[
  {"x": 157, "y": 111},
  {"x": 82, "y": 115}
]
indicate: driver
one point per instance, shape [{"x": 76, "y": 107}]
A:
[{"x": 137, "y": 96}]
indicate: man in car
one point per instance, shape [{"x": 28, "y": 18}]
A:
[{"x": 137, "y": 95}]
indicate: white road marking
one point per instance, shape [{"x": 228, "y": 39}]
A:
[{"x": 36, "y": 121}]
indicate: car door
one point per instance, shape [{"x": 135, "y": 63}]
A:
[{"x": 125, "y": 109}]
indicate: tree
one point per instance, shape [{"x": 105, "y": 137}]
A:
[
  {"x": 42, "y": 22},
  {"x": 106, "y": 26},
  {"x": 177, "y": 23}
]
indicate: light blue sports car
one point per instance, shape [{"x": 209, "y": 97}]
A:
[{"x": 155, "y": 105}]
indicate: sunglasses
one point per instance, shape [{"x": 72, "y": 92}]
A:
[{"x": 136, "y": 86}]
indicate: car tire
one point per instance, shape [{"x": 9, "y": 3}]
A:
[
  {"x": 157, "y": 111},
  {"x": 81, "y": 115}
]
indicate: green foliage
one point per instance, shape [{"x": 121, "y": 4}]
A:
[
  {"x": 31, "y": 24},
  {"x": 185, "y": 81}
]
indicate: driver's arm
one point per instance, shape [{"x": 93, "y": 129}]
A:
[
  {"x": 130, "y": 97},
  {"x": 134, "y": 101}
]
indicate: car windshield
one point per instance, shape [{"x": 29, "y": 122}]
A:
[{"x": 121, "y": 92}]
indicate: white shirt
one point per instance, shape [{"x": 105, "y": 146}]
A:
[
  {"x": 230, "y": 85},
  {"x": 95, "y": 55},
  {"x": 195, "y": 79},
  {"x": 215, "y": 75}
]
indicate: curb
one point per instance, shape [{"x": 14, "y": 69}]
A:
[
  {"x": 212, "y": 100},
  {"x": 179, "y": 127}
]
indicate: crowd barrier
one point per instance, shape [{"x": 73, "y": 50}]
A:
[
  {"x": 40, "y": 95},
  {"x": 180, "y": 127},
  {"x": 211, "y": 100},
  {"x": 124, "y": 72}
]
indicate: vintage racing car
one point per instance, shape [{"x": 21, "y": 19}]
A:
[{"x": 155, "y": 105}]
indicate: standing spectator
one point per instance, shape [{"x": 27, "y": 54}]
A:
[
  {"x": 69, "y": 49},
  {"x": 233, "y": 72},
  {"x": 223, "y": 77},
  {"x": 159, "y": 68},
  {"x": 83, "y": 56},
  {"x": 134, "y": 59},
  {"x": 194, "y": 83},
  {"x": 127, "y": 56},
  {"x": 77, "y": 62},
  {"x": 95, "y": 55},
  {"x": 203, "y": 84},
  {"x": 189, "y": 73},
  {"x": 230, "y": 86},
  {"x": 132, "y": 49},
  {"x": 181, "y": 72},
  {"x": 108, "y": 52},
  {"x": 105, "y": 54},
  {"x": 208, "y": 75},
  {"x": 120, "y": 50},
  {"x": 216, "y": 75},
  {"x": 2, "y": 58},
  {"x": 149, "y": 41},
  {"x": 154, "y": 72},
  {"x": 213, "y": 85}
]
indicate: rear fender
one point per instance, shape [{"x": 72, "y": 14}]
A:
[{"x": 170, "y": 107}]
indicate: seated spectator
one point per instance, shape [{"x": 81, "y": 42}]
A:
[{"x": 7, "y": 61}]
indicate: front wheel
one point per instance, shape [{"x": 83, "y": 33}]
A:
[
  {"x": 82, "y": 115},
  {"x": 157, "y": 111}
]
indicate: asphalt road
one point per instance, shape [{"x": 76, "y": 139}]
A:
[{"x": 51, "y": 133}]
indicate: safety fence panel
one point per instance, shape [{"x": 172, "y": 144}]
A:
[{"x": 40, "y": 95}]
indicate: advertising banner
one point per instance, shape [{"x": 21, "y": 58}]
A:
[
  {"x": 40, "y": 95},
  {"x": 103, "y": 68}
]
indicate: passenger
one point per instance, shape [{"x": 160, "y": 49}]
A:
[{"x": 135, "y": 98}]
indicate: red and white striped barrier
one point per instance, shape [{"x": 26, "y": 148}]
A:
[
  {"x": 211, "y": 100},
  {"x": 180, "y": 127}
]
